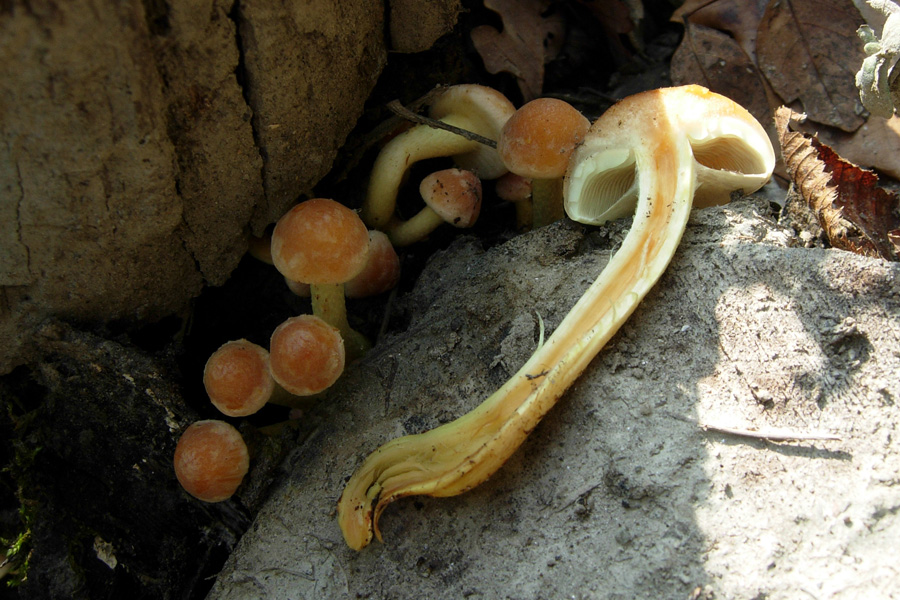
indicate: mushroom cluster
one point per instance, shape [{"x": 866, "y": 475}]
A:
[
  {"x": 324, "y": 251},
  {"x": 525, "y": 150},
  {"x": 328, "y": 252}
]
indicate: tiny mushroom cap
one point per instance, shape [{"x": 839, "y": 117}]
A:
[
  {"x": 260, "y": 247},
  {"x": 451, "y": 196},
  {"x": 320, "y": 241},
  {"x": 306, "y": 355},
  {"x": 454, "y": 194},
  {"x": 538, "y": 139},
  {"x": 513, "y": 188},
  {"x": 382, "y": 270},
  {"x": 709, "y": 138},
  {"x": 237, "y": 378},
  {"x": 517, "y": 190},
  {"x": 476, "y": 108},
  {"x": 211, "y": 460},
  {"x": 298, "y": 288}
]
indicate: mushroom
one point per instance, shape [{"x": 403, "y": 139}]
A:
[
  {"x": 451, "y": 196},
  {"x": 475, "y": 108},
  {"x": 536, "y": 142},
  {"x": 325, "y": 244},
  {"x": 517, "y": 190},
  {"x": 381, "y": 273},
  {"x": 238, "y": 381},
  {"x": 655, "y": 151},
  {"x": 211, "y": 460},
  {"x": 306, "y": 355},
  {"x": 260, "y": 247},
  {"x": 382, "y": 270}
]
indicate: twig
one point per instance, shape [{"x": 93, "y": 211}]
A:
[
  {"x": 772, "y": 435},
  {"x": 398, "y": 109},
  {"x": 356, "y": 150}
]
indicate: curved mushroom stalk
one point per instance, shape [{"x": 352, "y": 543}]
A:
[
  {"x": 476, "y": 108},
  {"x": 638, "y": 154}
]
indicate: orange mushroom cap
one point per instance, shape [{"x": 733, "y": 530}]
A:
[
  {"x": 211, "y": 460},
  {"x": 454, "y": 194},
  {"x": 320, "y": 241},
  {"x": 382, "y": 270},
  {"x": 513, "y": 188},
  {"x": 306, "y": 355},
  {"x": 538, "y": 139},
  {"x": 237, "y": 378}
]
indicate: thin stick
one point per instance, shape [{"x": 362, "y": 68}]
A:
[
  {"x": 395, "y": 107},
  {"x": 772, "y": 435}
]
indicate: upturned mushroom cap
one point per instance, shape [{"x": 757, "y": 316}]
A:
[
  {"x": 306, "y": 355},
  {"x": 237, "y": 378},
  {"x": 320, "y": 241},
  {"x": 211, "y": 460},
  {"x": 538, "y": 139},
  {"x": 729, "y": 150},
  {"x": 454, "y": 194},
  {"x": 486, "y": 111}
]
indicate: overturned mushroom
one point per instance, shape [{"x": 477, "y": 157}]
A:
[
  {"x": 652, "y": 153},
  {"x": 475, "y": 108}
]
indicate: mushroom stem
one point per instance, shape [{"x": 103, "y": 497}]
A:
[
  {"x": 459, "y": 455},
  {"x": 416, "y": 144},
  {"x": 405, "y": 233},
  {"x": 328, "y": 304},
  {"x": 547, "y": 201}
]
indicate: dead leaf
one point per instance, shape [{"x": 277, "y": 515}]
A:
[
  {"x": 614, "y": 15},
  {"x": 808, "y": 51},
  {"x": 715, "y": 60},
  {"x": 740, "y": 18},
  {"x": 528, "y": 41},
  {"x": 856, "y": 214},
  {"x": 875, "y": 145}
]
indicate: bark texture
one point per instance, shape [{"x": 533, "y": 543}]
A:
[
  {"x": 141, "y": 141},
  {"x": 415, "y": 30}
]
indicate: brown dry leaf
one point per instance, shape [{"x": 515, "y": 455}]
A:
[
  {"x": 714, "y": 59},
  {"x": 875, "y": 145},
  {"x": 856, "y": 214},
  {"x": 528, "y": 41},
  {"x": 613, "y": 15},
  {"x": 808, "y": 50},
  {"x": 740, "y": 18}
]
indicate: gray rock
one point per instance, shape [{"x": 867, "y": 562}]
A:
[{"x": 619, "y": 492}]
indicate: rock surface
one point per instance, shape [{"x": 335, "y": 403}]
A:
[
  {"x": 619, "y": 492},
  {"x": 141, "y": 141}
]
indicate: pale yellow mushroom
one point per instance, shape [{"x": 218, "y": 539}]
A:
[
  {"x": 475, "y": 108},
  {"x": 654, "y": 154}
]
